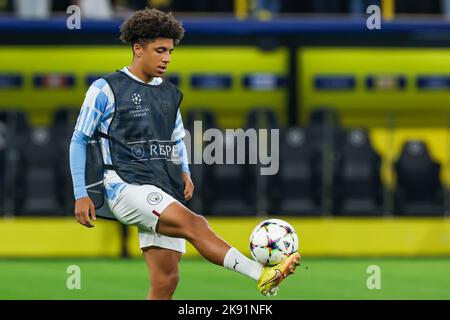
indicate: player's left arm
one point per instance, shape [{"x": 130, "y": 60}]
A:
[{"x": 177, "y": 135}]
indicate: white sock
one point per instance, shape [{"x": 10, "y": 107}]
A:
[{"x": 236, "y": 261}]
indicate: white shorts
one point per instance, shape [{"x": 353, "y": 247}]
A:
[{"x": 141, "y": 206}]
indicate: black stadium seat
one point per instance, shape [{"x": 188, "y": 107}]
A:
[
  {"x": 322, "y": 115},
  {"x": 61, "y": 131},
  {"x": 225, "y": 188},
  {"x": 325, "y": 136},
  {"x": 419, "y": 191},
  {"x": 41, "y": 197},
  {"x": 260, "y": 118},
  {"x": 360, "y": 190},
  {"x": 204, "y": 115},
  {"x": 231, "y": 185},
  {"x": 232, "y": 192},
  {"x": 295, "y": 185},
  {"x": 201, "y": 174},
  {"x": 240, "y": 189},
  {"x": 14, "y": 139}
]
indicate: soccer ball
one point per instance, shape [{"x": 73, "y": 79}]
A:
[{"x": 273, "y": 240}]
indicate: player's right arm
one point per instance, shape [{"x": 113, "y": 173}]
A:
[
  {"x": 91, "y": 114},
  {"x": 84, "y": 207}
]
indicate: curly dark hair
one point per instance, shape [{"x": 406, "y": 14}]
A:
[{"x": 150, "y": 24}]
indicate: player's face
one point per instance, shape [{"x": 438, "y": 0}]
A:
[{"x": 156, "y": 56}]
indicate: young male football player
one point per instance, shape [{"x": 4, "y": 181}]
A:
[{"x": 135, "y": 112}]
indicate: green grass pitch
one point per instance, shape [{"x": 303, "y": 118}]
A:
[{"x": 316, "y": 279}]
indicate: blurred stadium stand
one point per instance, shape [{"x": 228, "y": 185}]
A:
[
  {"x": 229, "y": 6},
  {"x": 331, "y": 159}
]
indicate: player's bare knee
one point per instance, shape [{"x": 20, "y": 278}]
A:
[
  {"x": 173, "y": 281},
  {"x": 166, "y": 283},
  {"x": 196, "y": 226}
]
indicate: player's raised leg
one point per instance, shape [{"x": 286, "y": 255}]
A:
[
  {"x": 178, "y": 221},
  {"x": 163, "y": 269}
]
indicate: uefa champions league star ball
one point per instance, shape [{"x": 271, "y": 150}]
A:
[{"x": 272, "y": 241}]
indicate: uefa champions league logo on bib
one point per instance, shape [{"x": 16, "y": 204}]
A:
[
  {"x": 138, "y": 110},
  {"x": 136, "y": 98}
]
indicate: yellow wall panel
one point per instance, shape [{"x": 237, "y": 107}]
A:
[
  {"x": 362, "y": 62},
  {"x": 230, "y": 104},
  {"x": 62, "y": 237},
  {"x": 58, "y": 237},
  {"x": 342, "y": 237}
]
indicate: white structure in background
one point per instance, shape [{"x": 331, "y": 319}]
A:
[
  {"x": 445, "y": 5},
  {"x": 39, "y": 9},
  {"x": 96, "y": 9}
]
